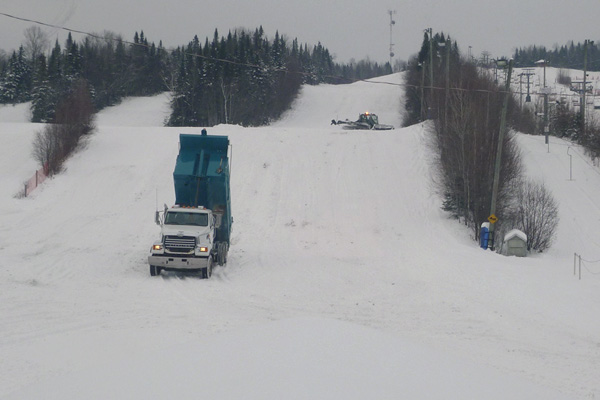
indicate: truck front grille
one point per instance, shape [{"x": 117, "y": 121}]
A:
[{"x": 180, "y": 244}]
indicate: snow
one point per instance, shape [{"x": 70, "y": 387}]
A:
[
  {"x": 15, "y": 113},
  {"x": 345, "y": 280},
  {"x": 155, "y": 112},
  {"x": 515, "y": 233}
]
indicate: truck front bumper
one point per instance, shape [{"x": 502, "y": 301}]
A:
[{"x": 170, "y": 262}]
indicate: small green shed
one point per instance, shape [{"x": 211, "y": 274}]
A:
[{"x": 515, "y": 243}]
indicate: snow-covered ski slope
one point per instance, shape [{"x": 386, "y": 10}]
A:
[{"x": 345, "y": 280}]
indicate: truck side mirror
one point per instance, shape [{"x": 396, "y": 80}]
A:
[{"x": 157, "y": 217}]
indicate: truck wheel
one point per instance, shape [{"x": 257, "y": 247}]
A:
[
  {"x": 220, "y": 253},
  {"x": 154, "y": 270},
  {"x": 207, "y": 272},
  {"x": 222, "y": 249},
  {"x": 225, "y": 251}
]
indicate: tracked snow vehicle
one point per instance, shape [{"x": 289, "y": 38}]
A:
[{"x": 365, "y": 121}]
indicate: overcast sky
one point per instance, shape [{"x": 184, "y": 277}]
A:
[{"x": 348, "y": 28}]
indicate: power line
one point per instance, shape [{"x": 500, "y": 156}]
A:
[
  {"x": 216, "y": 59},
  {"x": 244, "y": 64},
  {"x": 209, "y": 58},
  {"x": 128, "y": 42},
  {"x": 52, "y": 26}
]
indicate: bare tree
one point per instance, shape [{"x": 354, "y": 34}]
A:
[
  {"x": 464, "y": 135},
  {"x": 77, "y": 110},
  {"x": 47, "y": 148},
  {"x": 74, "y": 119},
  {"x": 36, "y": 42},
  {"x": 536, "y": 214}
]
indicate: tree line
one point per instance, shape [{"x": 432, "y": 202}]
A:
[
  {"x": 570, "y": 55},
  {"x": 464, "y": 106},
  {"x": 242, "y": 78},
  {"x": 110, "y": 68}
]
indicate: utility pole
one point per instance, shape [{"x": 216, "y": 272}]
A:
[
  {"x": 423, "y": 91},
  {"x": 546, "y": 124},
  {"x": 502, "y": 63},
  {"x": 501, "y": 134},
  {"x": 448, "y": 45},
  {"x": 430, "y": 31},
  {"x": 496, "y": 74},
  {"x": 584, "y": 89},
  {"x": 521, "y": 90},
  {"x": 545, "y": 93},
  {"x": 392, "y": 23}
]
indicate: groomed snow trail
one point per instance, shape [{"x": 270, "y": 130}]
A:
[{"x": 328, "y": 225}]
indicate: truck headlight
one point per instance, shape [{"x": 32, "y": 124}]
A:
[
  {"x": 157, "y": 247},
  {"x": 203, "y": 249}
]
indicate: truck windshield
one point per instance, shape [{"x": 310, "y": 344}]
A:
[{"x": 186, "y": 218}]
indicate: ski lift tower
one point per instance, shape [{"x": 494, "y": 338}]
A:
[
  {"x": 392, "y": 23},
  {"x": 545, "y": 91}
]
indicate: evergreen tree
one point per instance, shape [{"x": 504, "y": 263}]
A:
[
  {"x": 16, "y": 86},
  {"x": 42, "y": 104},
  {"x": 242, "y": 78},
  {"x": 72, "y": 61}
]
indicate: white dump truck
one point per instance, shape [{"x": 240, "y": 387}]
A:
[{"x": 195, "y": 231}]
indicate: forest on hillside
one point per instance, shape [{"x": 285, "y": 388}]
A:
[
  {"x": 242, "y": 78},
  {"x": 472, "y": 120},
  {"x": 470, "y": 110},
  {"x": 570, "y": 55}
]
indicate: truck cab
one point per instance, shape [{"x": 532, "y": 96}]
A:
[{"x": 186, "y": 241}]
